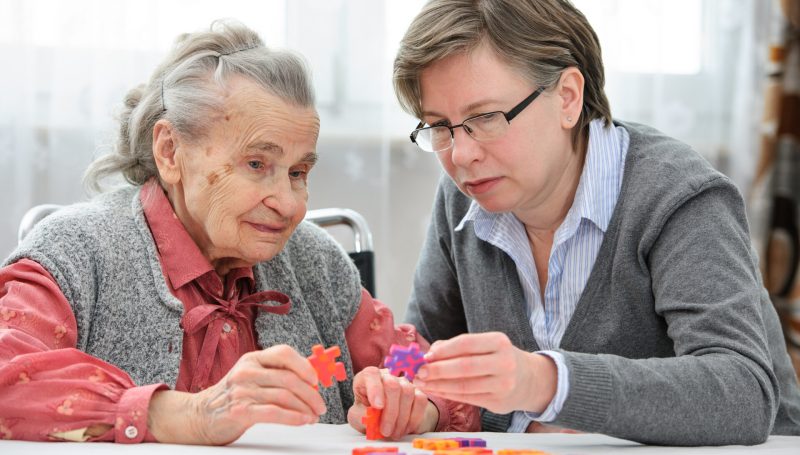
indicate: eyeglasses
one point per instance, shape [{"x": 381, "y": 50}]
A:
[{"x": 482, "y": 127}]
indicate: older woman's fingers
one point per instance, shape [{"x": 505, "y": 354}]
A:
[
  {"x": 283, "y": 398},
  {"x": 392, "y": 393},
  {"x": 354, "y": 415},
  {"x": 252, "y": 375},
  {"x": 418, "y": 408},
  {"x": 267, "y": 377},
  {"x": 234, "y": 395},
  {"x": 373, "y": 384},
  {"x": 404, "y": 408},
  {"x": 270, "y": 413},
  {"x": 285, "y": 357},
  {"x": 287, "y": 380},
  {"x": 284, "y": 367}
]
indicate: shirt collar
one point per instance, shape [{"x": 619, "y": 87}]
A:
[
  {"x": 596, "y": 195},
  {"x": 181, "y": 258},
  {"x": 599, "y": 177}
]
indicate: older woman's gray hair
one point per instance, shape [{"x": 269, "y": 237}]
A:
[{"x": 187, "y": 88}]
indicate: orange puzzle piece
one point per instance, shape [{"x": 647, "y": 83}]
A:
[
  {"x": 434, "y": 443},
  {"x": 520, "y": 452},
  {"x": 324, "y": 361},
  {"x": 369, "y": 450},
  {"x": 372, "y": 420},
  {"x": 465, "y": 451}
]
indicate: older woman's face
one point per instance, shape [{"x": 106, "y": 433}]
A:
[{"x": 244, "y": 186}]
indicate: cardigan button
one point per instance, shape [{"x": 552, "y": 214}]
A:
[
  {"x": 131, "y": 432},
  {"x": 226, "y": 328}
]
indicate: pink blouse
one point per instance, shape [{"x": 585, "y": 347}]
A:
[{"x": 52, "y": 391}]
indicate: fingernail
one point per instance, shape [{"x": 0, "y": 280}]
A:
[
  {"x": 422, "y": 373},
  {"x": 322, "y": 410},
  {"x": 378, "y": 403}
]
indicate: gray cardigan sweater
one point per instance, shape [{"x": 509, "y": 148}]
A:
[
  {"x": 104, "y": 259},
  {"x": 674, "y": 339}
]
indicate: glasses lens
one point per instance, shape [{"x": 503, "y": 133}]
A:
[
  {"x": 487, "y": 126},
  {"x": 434, "y": 139}
]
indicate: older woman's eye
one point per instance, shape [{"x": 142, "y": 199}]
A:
[
  {"x": 255, "y": 165},
  {"x": 298, "y": 174}
]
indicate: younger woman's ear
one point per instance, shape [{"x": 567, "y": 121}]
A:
[
  {"x": 570, "y": 90},
  {"x": 164, "y": 147}
]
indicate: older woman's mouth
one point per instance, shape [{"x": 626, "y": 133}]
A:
[{"x": 268, "y": 228}]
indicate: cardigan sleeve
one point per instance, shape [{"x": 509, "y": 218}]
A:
[
  {"x": 435, "y": 307},
  {"x": 720, "y": 387},
  {"x": 52, "y": 391}
]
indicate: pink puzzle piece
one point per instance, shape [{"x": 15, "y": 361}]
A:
[
  {"x": 406, "y": 360},
  {"x": 324, "y": 361}
]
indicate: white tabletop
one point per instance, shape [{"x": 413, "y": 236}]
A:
[{"x": 341, "y": 439}]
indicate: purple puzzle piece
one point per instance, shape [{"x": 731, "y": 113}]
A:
[
  {"x": 406, "y": 360},
  {"x": 470, "y": 442}
]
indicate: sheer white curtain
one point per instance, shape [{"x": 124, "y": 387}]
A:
[{"x": 691, "y": 68}]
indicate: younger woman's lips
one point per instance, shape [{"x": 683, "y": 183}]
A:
[{"x": 481, "y": 186}]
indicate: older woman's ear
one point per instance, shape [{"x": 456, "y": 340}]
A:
[{"x": 164, "y": 147}]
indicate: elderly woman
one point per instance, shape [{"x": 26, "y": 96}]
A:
[
  {"x": 604, "y": 269},
  {"x": 181, "y": 309}
]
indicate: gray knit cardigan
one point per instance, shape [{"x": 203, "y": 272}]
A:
[
  {"x": 674, "y": 339},
  {"x": 104, "y": 259}
]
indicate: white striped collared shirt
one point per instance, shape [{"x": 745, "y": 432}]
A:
[{"x": 576, "y": 243}]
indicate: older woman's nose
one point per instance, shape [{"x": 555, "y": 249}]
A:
[{"x": 283, "y": 200}]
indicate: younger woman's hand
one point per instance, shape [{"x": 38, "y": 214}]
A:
[{"x": 488, "y": 371}]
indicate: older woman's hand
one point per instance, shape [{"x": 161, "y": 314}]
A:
[
  {"x": 488, "y": 371},
  {"x": 274, "y": 385},
  {"x": 405, "y": 408}
]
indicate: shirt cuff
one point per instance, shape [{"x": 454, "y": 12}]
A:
[
  {"x": 444, "y": 414},
  {"x": 131, "y": 422},
  {"x": 562, "y": 390}
]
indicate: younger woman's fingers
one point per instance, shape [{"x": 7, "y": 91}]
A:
[
  {"x": 461, "y": 367},
  {"x": 466, "y": 345}
]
